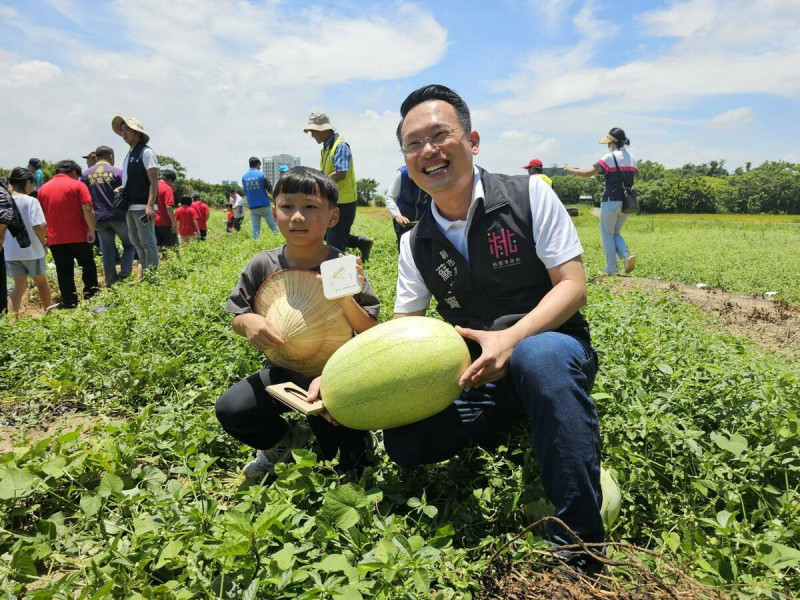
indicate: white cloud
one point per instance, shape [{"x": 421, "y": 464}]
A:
[
  {"x": 682, "y": 19},
  {"x": 214, "y": 82},
  {"x": 733, "y": 117}
]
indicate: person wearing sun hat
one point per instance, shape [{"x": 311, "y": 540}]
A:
[
  {"x": 535, "y": 169},
  {"x": 140, "y": 183},
  {"x": 618, "y": 167},
  {"x": 336, "y": 161}
]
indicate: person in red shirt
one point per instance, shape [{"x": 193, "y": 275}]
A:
[
  {"x": 67, "y": 206},
  {"x": 166, "y": 225},
  {"x": 188, "y": 220},
  {"x": 203, "y": 212}
]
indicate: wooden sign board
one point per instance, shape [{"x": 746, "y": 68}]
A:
[{"x": 293, "y": 396}]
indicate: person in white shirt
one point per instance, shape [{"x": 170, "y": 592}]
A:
[
  {"x": 237, "y": 206},
  {"x": 30, "y": 261},
  {"x": 503, "y": 260}
]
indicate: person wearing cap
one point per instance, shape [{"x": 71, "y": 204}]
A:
[
  {"x": 203, "y": 213},
  {"x": 618, "y": 167},
  {"x": 535, "y": 169},
  {"x": 283, "y": 169},
  {"x": 140, "y": 183},
  {"x": 406, "y": 203},
  {"x": 503, "y": 260},
  {"x": 35, "y": 167},
  {"x": 90, "y": 158},
  {"x": 237, "y": 206},
  {"x": 102, "y": 179},
  {"x": 336, "y": 161},
  {"x": 67, "y": 207},
  {"x": 258, "y": 190}
]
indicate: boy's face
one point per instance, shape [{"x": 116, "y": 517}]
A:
[{"x": 304, "y": 219}]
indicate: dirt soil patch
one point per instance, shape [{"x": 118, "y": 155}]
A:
[
  {"x": 527, "y": 581},
  {"x": 773, "y": 324},
  {"x": 34, "y": 433}
]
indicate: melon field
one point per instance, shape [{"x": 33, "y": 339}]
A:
[{"x": 116, "y": 480}]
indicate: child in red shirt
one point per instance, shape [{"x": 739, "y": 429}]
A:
[
  {"x": 188, "y": 220},
  {"x": 203, "y": 212},
  {"x": 229, "y": 218}
]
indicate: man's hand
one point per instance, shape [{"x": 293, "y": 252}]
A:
[
  {"x": 492, "y": 364},
  {"x": 90, "y": 237},
  {"x": 260, "y": 333},
  {"x": 313, "y": 395},
  {"x": 401, "y": 220},
  {"x": 149, "y": 211}
]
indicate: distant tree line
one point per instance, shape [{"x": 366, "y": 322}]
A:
[{"x": 773, "y": 188}]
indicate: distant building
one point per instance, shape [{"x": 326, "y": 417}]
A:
[
  {"x": 271, "y": 164},
  {"x": 231, "y": 182},
  {"x": 554, "y": 170}
]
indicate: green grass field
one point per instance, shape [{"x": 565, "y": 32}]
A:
[
  {"x": 144, "y": 500},
  {"x": 742, "y": 257}
]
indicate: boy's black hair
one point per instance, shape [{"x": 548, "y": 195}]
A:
[
  {"x": 254, "y": 161},
  {"x": 186, "y": 200},
  {"x": 67, "y": 167},
  {"x": 168, "y": 174},
  {"x": 435, "y": 92},
  {"x": 305, "y": 180}
]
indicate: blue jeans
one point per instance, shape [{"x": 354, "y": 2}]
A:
[
  {"x": 611, "y": 222},
  {"x": 143, "y": 238},
  {"x": 549, "y": 379},
  {"x": 106, "y": 230},
  {"x": 262, "y": 212}
]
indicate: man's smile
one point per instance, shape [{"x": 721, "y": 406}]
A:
[{"x": 436, "y": 167}]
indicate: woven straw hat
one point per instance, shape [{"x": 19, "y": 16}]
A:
[
  {"x": 311, "y": 326},
  {"x": 135, "y": 124}
]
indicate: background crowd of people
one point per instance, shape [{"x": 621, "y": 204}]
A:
[{"x": 136, "y": 204}]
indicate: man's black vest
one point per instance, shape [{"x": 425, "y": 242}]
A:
[
  {"x": 412, "y": 201},
  {"x": 504, "y": 279},
  {"x": 137, "y": 185}
]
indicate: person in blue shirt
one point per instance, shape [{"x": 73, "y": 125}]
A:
[
  {"x": 35, "y": 167},
  {"x": 258, "y": 190}
]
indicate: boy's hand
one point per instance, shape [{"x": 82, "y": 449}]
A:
[
  {"x": 313, "y": 395},
  {"x": 260, "y": 333}
]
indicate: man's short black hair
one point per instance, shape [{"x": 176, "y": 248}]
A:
[
  {"x": 68, "y": 167},
  {"x": 168, "y": 174},
  {"x": 435, "y": 92},
  {"x": 104, "y": 152},
  {"x": 305, "y": 180},
  {"x": 186, "y": 200},
  {"x": 255, "y": 161}
]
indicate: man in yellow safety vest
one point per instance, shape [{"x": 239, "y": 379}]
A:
[{"x": 336, "y": 161}]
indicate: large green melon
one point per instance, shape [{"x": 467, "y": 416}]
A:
[{"x": 393, "y": 374}]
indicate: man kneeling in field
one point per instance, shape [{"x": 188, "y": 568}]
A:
[{"x": 503, "y": 260}]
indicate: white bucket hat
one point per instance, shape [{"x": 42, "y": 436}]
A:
[{"x": 318, "y": 121}]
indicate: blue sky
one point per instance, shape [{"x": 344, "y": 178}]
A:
[{"x": 215, "y": 81}]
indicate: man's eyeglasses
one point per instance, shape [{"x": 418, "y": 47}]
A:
[{"x": 435, "y": 140}]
